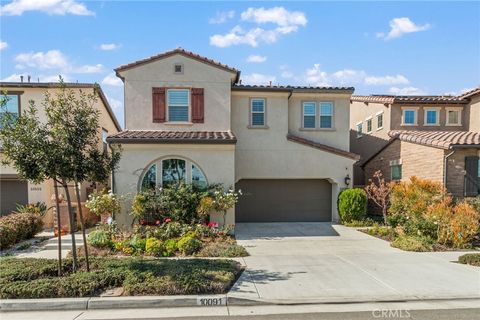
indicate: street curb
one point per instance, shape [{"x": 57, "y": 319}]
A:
[{"x": 171, "y": 302}]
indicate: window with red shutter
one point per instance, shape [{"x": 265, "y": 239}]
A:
[
  {"x": 197, "y": 105},
  {"x": 158, "y": 104}
]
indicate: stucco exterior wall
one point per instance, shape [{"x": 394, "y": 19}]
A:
[
  {"x": 216, "y": 161},
  {"x": 474, "y": 107},
  {"x": 140, "y": 80},
  {"x": 43, "y": 192}
]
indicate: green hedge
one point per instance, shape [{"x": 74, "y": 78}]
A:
[
  {"x": 17, "y": 227},
  {"x": 470, "y": 258},
  {"x": 352, "y": 204}
]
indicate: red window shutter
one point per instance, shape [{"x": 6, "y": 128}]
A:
[
  {"x": 197, "y": 105},
  {"x": 158, "y": 104}
]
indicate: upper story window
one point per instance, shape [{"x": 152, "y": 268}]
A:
[
  {"x": 369, "y": 125},
  {"x": 309, "y": 114},
  {"x": 178, "y": 105},
  {"x": 104, "y": 140},
  {"x": 431, "y": 117},
  {"x": 326, "y": 114},
  {"x": 12, "y": 105},
  {"x": 454, "y": 116},
  {"x": 409, "y": 117},
  {"x": 359, "y": 129},
  {"x": 257, "y": 112},
  {"x": 379, "y": 120},
  {"x": 178, "y": 68}
]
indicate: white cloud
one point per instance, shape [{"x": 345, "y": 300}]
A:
[
  {"x": 386, "y": 80},
  {"x": 285, "y": 72},
  {"x": 286, "y": 22},
  {"x": 406, "y": 91},
  {"x": 42, "y": 78},
  {"x": 258, "y": 78},
  {"x": 89, "y": 69},
  {"x": 51, "y": 7},
  {"x": 222, "y": 17},
  {"x": 12, "y": 78},
  {"x": 348, "y": 76},
  {"x": 3, "y": 45},
  {"x": 54, "y": 78},
  {"x": 316, "y": 77},
  {"x": 114, "y": 103},
  {"x": 400, "y": 26},
  {"x": 53, "y": 59},
  {"x": 276, "y": 15},
  {"x": 112, "y": 80},
  {"x": 109, "y": 46},
  {"x": 256, "y": 58}
]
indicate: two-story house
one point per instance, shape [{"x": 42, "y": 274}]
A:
[
  {"x": 15, "y": 191},
  {"x": 189, "y": 119},
  {"x": 431, "y": 137}
]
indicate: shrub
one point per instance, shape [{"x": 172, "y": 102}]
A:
[
  {"x": 380, "y": 231},
  {"x": 352, "y": 204},
  {"x": 153, "y": 247},
  {"x": 170, "y": 247},
  {"x": 412, "y": 243},
  {"x": 99, "y": 238},
  {"x": 470, "y": 258},
  {"x": 360, "y": 223},
  {"x": 222, "y": 248},
  {"x": 461, "y": 227},
  {"x": 102, "y": 203},
  {"x": 17, "y": 227},
  {"x": 474, "y": 202},
  {"x": 138, "y": 243},
  {"x": 188, "y": 245}
]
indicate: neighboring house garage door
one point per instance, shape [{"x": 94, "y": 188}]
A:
[
  {"x": 284, "y": 200},
  {"x": 13, "y": 192}
]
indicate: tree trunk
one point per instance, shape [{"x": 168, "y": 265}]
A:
[
  {"x": 59, "y": 228},
  {"x": 384, "y": 212},
  {"x": 72, "y": 226},
  {"x": 82, "y": 223}
]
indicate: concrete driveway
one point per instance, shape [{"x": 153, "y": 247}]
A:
[{"x": 324, "y": 262}]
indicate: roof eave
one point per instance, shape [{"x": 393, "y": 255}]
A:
[{"x": 168, "y": 141}]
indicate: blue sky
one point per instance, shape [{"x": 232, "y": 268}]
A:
[{"x": 377, "y": 47}]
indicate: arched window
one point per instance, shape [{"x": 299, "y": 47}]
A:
[{"x": 172, "y": 170}]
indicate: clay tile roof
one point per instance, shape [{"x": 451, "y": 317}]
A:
[
  {"x": 160, "y": 136},
  {"x": 470, "y": 93},
  {"x": 388, "y": 99},
  {"x": 177, "y": 51},
  {"x": 323, "y": 147},
  {"x": 438, "y": 139},
  {"x": 287, "y": 88}
]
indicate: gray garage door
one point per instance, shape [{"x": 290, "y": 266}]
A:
[
  {"x": 12, "y": 192},
  {"x": 282, "y": 200}
]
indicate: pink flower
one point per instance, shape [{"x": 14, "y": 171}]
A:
[
  {"x": 167, "y": 220},
  {"x": 142, "y": 222},
  {"x": 213, "y": 224},
  {"x": 157, "y": 222}
]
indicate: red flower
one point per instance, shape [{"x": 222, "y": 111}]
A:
[
  {"x": 157, "y": 222},
  {"x": 167, "y": 220},
  {"x": 142, "y": 222},
  {"x": 213, "y": 224}
]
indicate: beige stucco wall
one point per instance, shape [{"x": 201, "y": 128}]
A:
[
  {"x": 267, "y": 154},
  {"x": 216, "y": 161},
  {"x": 43, "y": 192},
  {"x": 140, "y": 80},
  {"x": 474, "y": 107}
]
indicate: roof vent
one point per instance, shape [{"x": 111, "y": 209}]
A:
[
  {"x": 21, "y": 78},
  {"x": 28, "y": 78}
]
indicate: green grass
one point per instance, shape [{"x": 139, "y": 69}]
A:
[
  {"x": 37, "y": 278},
  {"x": 471, "y": 259}
]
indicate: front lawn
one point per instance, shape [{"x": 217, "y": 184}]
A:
[{"x": 37, "y": 278}]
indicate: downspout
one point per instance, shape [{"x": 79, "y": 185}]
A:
[{"x": 445, "y": 167}]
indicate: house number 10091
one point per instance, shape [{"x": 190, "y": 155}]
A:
[{"x": 211, "y": 301}]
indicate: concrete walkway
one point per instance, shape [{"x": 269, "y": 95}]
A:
[{"x": 324, "y": 262}]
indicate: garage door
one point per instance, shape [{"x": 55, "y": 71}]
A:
[
  {"x": 13, "y": 192},
  {"x": 275, "y": 200}
]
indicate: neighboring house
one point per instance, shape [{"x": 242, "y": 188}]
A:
[
  {"x": 188, "y": 118},
  {"x": 431, "y": 137},
  {"x": 15, "y": 191}
]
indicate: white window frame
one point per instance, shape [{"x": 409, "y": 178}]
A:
[
  {"x": 378, "y": 114},
  {"x": 315, "y": 115},
  {"x": 359, "y": 132},
  {"x": 456, "y": 109},
  {"x": 189, "y": 120},
  {"x": 394, "y": 163},
  {"x": 264, "y": 125},
  {"x": 104, "y": 139},
  {"x": 369, "y": 119},
  {"x": 332, "y": 115},
  {"x": 437, "y": 120},
  {"x": 415, "y": 110}
]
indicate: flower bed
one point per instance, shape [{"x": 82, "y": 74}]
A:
[
  {"x": 17, "y": 227},
  {"x": 37, "y": 278}
]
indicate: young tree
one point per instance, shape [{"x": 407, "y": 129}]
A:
[
  {"x": 26, "y": 146},
  {"x": 379, "y": 192}
]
